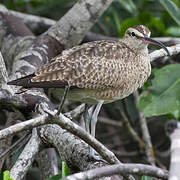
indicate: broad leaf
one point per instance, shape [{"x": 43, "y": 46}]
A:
[
  {"x": 163, "y": 97},
  {"x": 173, "y": 31},
  {"x": 129, "y": 5},
  {"x": 172, "y": 9}
]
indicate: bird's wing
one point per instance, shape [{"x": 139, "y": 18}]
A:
[{"x": 94, "y": 65}]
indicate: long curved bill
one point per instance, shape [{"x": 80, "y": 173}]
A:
[{"x": 154, "y": 42}]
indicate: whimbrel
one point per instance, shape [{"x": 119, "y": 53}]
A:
[{"x": 98, "y": 72}]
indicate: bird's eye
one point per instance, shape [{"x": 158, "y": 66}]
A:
[{"x": 133, "y": 34}]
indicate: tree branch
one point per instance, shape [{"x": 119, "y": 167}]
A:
[
  {"x": 47, "y": 163},
  {"x": 173, "y": 50},
  {"x": 138, "y": 169},
  {"x": 26, "y": 158},
  {"x": 65, "y": 123},
  {"x": 173, "y": 130}
]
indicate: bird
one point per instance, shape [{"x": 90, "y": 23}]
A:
[{"x": 97, "y": 72}]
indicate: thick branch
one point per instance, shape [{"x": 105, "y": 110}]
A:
[
  {"x": 65, "y": 123},
  {"x": 26, "y": 158},
  {"x": 47, "y": 163},
  {"x": 173, "y": 129},
  {"x": 73, "y": 26}
]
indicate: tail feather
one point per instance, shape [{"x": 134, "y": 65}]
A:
[{"x": 27, "y": 83}]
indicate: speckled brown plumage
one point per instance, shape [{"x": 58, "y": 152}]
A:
[{"x": 99, "y": 70}]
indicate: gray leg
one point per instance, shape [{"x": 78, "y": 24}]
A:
[
  {"x": 94, "y": 118},
  {"x": 63, "y": 100},
  {"x": 93, "y": 127},
  {"x": 87, "y": 118}
]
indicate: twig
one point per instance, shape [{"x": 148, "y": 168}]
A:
[
  {"x": 146, "y": 136},
  {"x": 75, "y": 112},
  {"x": 15, "y": 147},
  {"x": 133, "y": 133},
  {"x": 110, "y": 122},
  {"x": 138, "y": 169}
]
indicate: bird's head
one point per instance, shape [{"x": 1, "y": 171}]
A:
[{"x": 138, "y": 37}]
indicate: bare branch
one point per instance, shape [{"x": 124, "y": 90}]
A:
[
  {"x": 173, "y": 129},
  {"x": 5, "y": 144},
  {"x": 168, "y": 40},
  {"x": 132, "y": 132},
  {"x": 75, "y": 112},
  {"x": 110, "y": 122},
  {"x": 173, "y": 50},
  {"x": 23, "y": 126},
  {"x": 65, "y": 123},
  {"x": 16, "y": 146},
  {"x": 26, "y": 158},
  {"x": 138, "y": 169},
  {"x": 35, "y": 23},
  {"x": 3, "y": 71},
  {"x": 47, "y": 163}
]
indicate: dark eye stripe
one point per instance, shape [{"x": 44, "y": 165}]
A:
[{"x": 130, "y": 33}]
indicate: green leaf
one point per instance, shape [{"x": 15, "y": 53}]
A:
[
  {"x": 55, "y": 177},
  {"x": 129, "y": 6},
  {"x": 146, "y": 178},
  {"x": 172, "y": 9},
  {"x": 163, "y": 96},
  {"x": 173, "y": 31},
  {"x": 145, "y": 16},
  {"x": 6, "y": 175},
  {"x": 65, "y": 171}
]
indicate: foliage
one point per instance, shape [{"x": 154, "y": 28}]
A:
[
  {"x": 161, "y": 17},
  {"x": 163, "y": 96},
  {"x": 65, "y": 171},
  {"x": 5, "y": 176},
  {"x": 157, "y": 15},
  {"x": 172, "y": 9}
]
